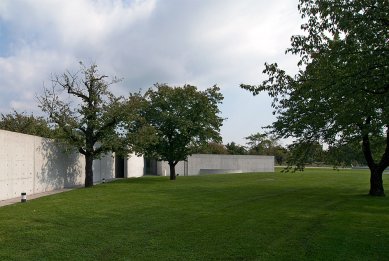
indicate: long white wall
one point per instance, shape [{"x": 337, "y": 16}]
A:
[
  {"x": 218, "y": 164},
  {"x": 33, "y": 165}
]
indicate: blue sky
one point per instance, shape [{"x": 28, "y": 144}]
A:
[{"x": 199, "y": 42}]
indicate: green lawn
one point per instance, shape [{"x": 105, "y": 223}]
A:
[{"x": 320, "y": 214}]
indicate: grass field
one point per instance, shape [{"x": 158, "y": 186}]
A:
[{"x": 320, "y": 214}]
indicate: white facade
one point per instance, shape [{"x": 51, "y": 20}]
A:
[
  {"x": 33, "y": 165},
  {"x": 134, "y": 166},
  {"x": 198, "y": 164}
]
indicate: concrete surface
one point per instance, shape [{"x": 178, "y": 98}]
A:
[
  {"x": 134, "y": 166},
  {"x": 230, "y": 163},
  {"x": 31, "y": 197},
  {"x": 35, "y": 165},
  {"x": 219, "y": 171}
]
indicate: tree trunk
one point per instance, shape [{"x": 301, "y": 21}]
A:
[
  {"x": 88, "y": 171},
  {"x": 376, "y": 170},
  {"x": 172, "y": 170},
  {"x": 376, "y": 184}
]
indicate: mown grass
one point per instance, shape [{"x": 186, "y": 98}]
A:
[{"x": 320, "y": 214}]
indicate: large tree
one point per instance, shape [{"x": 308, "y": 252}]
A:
[
  {"x": 341, "y": 92},
  {"x": 264, "y": 144},
  {"x": 236, "y": 149},
  {"x": 174, "y": 122},
  {"x": 261, "y": 143},
  {"x": 85, "y": 112},
  {"x": 26, "y": 123},
  {"x": 212, "y": 148}
]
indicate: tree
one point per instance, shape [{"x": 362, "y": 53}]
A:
[
  {"x": 264, "y": 144},
  {"x": 236, "y": 149},
  {"x": 341, "y": 92},
  {"x": 303, "y": 153},
  {"x": 174, "y": 122},
  {"x": 261, "y": 144},
  {"x": 350, "y": 154},
  {"x": 346, "y": 154},
  {"x": 212, "y": 148},
  {"x": 280, "y": 154},
  {"x": 88, "y": 120},
  {"x": 27, "y": 124}
]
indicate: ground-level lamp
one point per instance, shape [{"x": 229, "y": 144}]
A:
[{"x": 24, "y": 197}]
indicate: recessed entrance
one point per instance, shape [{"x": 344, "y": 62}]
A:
[
  {"x": 119, "y": 167},
  {"x": 150, "y": 166}
]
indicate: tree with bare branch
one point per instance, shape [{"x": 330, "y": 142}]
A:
[{"x": 85, "y": 112}]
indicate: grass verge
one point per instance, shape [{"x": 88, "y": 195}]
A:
[{"x": 320, "y": 214}]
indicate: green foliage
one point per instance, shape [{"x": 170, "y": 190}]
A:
[
  {"x": 264, "y": 144},
  {"x": 340, "y": 93},
  {"x": 88, "y": 118},
  {"x": 350, "y": 154},
  {"x": 305, "y": 153},
  {"x": 212, "y": 148},
  {"x": 174, "y": 122},
  {"x": 259, "y": 142},
  {"x": 236, "y": 149},
  {"x": 320, "y": 214},
  {"x": 89, "y": 115},
  {"x": 27, "y": 124}
]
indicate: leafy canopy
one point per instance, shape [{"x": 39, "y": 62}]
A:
[
  {"x": 340, "y": 93},
  {"x": 85, "y": 112},
  {"x": 175, "y": 122},
  {"x": 27, "y": 124}
]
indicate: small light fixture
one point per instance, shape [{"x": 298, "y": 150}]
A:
[{"x": 24, "y": 197}]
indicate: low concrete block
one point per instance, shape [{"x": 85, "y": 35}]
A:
[{"x": 219, "y": 171}]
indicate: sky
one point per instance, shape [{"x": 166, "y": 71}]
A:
[{"x": 197, "y": 42}]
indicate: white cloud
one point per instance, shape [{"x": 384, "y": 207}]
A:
[
  {"x": 49, "y": 36},
  {"x": 202, "y": 42}
]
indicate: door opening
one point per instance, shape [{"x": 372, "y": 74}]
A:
[
  {"x": 119, "y": 167},
  {"x": 150, "y": 166}
]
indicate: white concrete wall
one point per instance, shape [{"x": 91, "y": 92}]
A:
[
  {"x": 53, "y": 168},
  {"x": 134, "y": 166},
  {"x": 163, "y": 168},
  {"x": 200, "y": 163},
  {"x": 241, "y": 163},
  {"x": 33, "y": 165},
  {"x": 16, "y": 165},
  {"x": 104, "y": 168}
]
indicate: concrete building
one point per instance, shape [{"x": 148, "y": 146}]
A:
[
  {"x": 198, "y": 164},
  {"x": 33, "y": 165}
]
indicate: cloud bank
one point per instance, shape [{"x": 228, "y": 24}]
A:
[{"x": 202, "y": 42}]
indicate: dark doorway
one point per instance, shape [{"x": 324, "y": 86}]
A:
[
  {"x": 119, "y": 167},
  {"x": 150, "y": 167}
]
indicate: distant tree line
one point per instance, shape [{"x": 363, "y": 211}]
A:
[
  {"x": 311, "y": 154},
  {"x": 257, "y": 144},
  {"x": 25, "y": 123}
]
